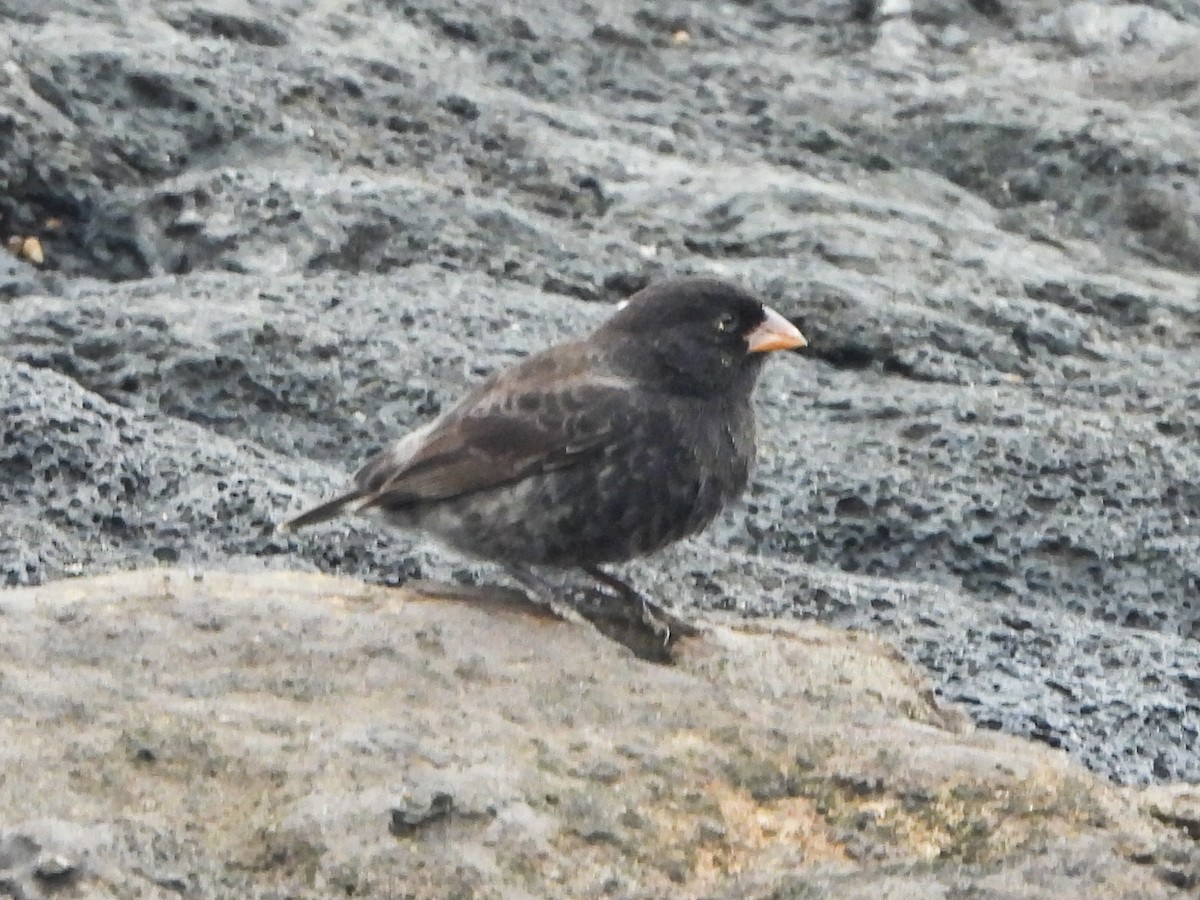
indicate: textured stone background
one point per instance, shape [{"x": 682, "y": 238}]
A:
[
  {"x": 277, "y": 235},
  {"x": 260, "y": 735}
]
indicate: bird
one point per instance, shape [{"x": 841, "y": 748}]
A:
[{"x": 593, "y": 452}]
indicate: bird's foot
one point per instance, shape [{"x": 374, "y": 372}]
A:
[
  {"x": 613, "y": 608},
  {"x": 661, "y": 622},
  {"x": 655, "y": 618},
  {"x": 543, "y": 594}
]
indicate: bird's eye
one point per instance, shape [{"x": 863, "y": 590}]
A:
[{"x": 726, "y": 321}]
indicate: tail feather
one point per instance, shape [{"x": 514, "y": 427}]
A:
[{"x": 324, "y": 512}]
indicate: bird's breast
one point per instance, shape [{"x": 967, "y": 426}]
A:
[{"x": 696, "y": 461}]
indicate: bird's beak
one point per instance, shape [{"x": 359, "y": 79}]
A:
[{"x": 774, "y": 333}]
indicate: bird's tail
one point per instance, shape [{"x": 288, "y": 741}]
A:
[{"x": 325, "y": 511}]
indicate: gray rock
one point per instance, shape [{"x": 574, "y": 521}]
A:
[
  {"x": 277, "y": 237},
  {"x": 1091, "y": 28}
]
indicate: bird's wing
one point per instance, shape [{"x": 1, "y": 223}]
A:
[{"x": 503, "y": 432}]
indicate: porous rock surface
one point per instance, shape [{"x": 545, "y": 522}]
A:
[{"x": 278, "y": 234}]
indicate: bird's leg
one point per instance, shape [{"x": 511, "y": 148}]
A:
[
  {"x": 543, "y": 593},
  {"x": 654, "y": 616}
]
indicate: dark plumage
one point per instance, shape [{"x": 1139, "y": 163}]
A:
[{"x": 594, "y": 451}]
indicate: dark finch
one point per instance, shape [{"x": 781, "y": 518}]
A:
[{"x": 594, "y": 451}]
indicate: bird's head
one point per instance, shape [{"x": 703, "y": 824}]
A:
[{"x": 697, "y": 336}]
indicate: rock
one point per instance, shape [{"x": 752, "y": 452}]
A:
[
  {"x": 276, "y": 237},
  {"x": 1091, "y": 27},
  {"x": 406, "y": 821},
  {"x": 324, "y": 741},
  {"x": 17, "y": 277},
  {"x": 42, "y": 857}
]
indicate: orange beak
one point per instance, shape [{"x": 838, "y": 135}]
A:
[{"x": 774, "y": 333}]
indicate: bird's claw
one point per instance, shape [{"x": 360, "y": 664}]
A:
[{"x": 659, "y": 626}]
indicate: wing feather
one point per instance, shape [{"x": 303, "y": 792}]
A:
[{"x": 546, "y": 414}]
